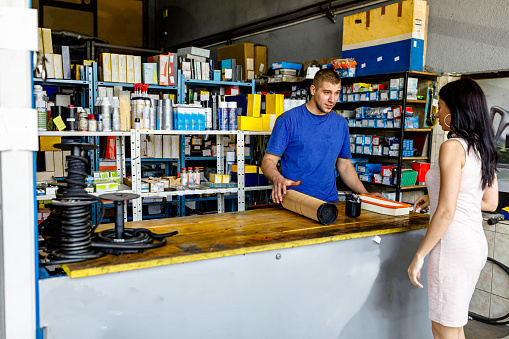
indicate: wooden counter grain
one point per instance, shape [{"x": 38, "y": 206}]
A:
[{"x": 220, "y": 235}]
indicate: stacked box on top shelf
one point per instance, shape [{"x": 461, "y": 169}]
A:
[{"x": 359, "y": 92}]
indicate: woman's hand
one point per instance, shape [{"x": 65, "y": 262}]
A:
[
  {"x": 414, "y": 271},
  {"x": 421, "y": 203}
]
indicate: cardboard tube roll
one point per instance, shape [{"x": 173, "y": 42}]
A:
[{"x": 311, "y": 207}]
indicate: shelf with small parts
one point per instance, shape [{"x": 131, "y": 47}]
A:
[{"x": 422, "y": 135}]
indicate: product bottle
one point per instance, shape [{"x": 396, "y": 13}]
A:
[
  {"x": 137, "y": 124},
  {"x": 184, "y": 179},
  {"x": 223, "y": 116},
  {"x": 190, "y": 176},
  {"x": 153, "y": 114},
  {"x": 194, "y": 118},
  {"x": 197, "y": 175},
  {"x": 98, "y": 114},
  {"x": 40, "y": 106},
  {"x": 106, "y": 114},
  {"x": 83, "y": 119},
  {"x": 92, "y": 123},
  {"x": 116, "y": 114}
]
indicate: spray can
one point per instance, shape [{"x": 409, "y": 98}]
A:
[
  {"x": 146, "y": 112},
  {"x": 138, "y": 108},
  {"x": 188, "y": 114},
  {"x": 153, "y": 114},
  {"x": 197, "y": 175},
  {"x": 160, "y": 116},
  {"x": 168, "y": 114},
  {"x": 98, "y": 114},
  {"x": 40, "y": 106},
  {"x": 232, "y": 115},
  {"x": 116, "y": 114},
  {"x": 223, "y": 116},
  {"x": 106, "y": 114},
  {"x": 137, "y": 123}
]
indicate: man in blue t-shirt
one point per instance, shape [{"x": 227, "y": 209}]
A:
[{"x": 311, "y": 142}]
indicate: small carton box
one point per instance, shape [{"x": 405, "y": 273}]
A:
[
  {"x": 114, "y": 67},
  {"x": 254, "y": 102},
  {"x": 47, "y": 40},
  {"x": 149, "y": 75},
  {"x": 130, "y": 69},
  {"x": 122, "y": 68},
  {"x": 105, "y": 60},
  {"x": 57, "y": 65},
  {"x": 137, "y": 69}
]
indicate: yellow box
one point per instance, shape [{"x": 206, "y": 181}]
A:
[
  {"x": 122, "y": 68},
  {"x": 216, "y": 178},
  {"x": 249, "y": 123},
  {"x": 130, "y": 69},
  {"x": 248, "y": 169},
  {"x": 114, "y": 67},
  {"x": 106, "y": 66},
  {"x": 47, "y": 41},
  {"x": 254, "y": 102},
  {"x": 274, "y": 104},
  {"x": 358, "y": 85},
  {"x": 226, "y": 179},
  {"x": 88, "y": 62},
  {"x": 268, "y": 121}
]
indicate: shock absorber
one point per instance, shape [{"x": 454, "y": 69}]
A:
[
  {"x": 68, "y": 231},
  {"x": 126, "y": 240}
]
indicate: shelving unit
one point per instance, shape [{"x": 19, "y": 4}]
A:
[
  {"x": 89, "y": 94},
  {"x": 399, "y": 132}
]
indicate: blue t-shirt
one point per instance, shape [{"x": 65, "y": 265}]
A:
[{"x": 309, "y": 146}]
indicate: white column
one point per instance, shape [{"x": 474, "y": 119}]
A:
[{"x": 18, "y": 141}]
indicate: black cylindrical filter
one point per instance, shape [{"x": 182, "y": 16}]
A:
[
  {"x": 71, "y": 118},
  {"x": 57, "y": 111}
]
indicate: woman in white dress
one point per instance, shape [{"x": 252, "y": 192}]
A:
[{"x": 461, "y": 183}]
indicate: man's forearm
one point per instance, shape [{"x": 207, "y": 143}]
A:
[
  {"x": 350, "y": 178},
  {"x": 269, "y": 169}
]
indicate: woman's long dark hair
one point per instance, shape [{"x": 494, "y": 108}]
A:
[{"x": 470, "y": 120}]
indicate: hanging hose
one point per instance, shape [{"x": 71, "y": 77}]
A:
[{"x": 498, "y": 320}]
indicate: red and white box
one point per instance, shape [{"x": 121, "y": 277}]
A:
[{"x": 422, "y": 168}]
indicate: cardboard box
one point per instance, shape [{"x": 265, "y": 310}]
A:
[
  {"x": 66, "y": 62},
  {"x": 260, "y": 60},
  {"x": 172, "y": 69},
  {"x": 122, "y": 68},
  {"x": 40, "y": 47},
  {"x": 105, "y": 60},
  {"x": 137, "y": 69},
  {"x": 149, "y": 75},
  {"x": 243, "y": 53},
  {"x": 50, "y": 68},
  {"x": 268, "y": 121},
  {"x": 392, "y": 38},
  {"x": 114, "y": 67},
  {"x": 162, "y": 67},
  {"x": 130, "y": 69},
  {"x": 250, "y": 123},
  {"x": 254, "y": 102},
  {"x": 47, "y": 41},
  {"x": 57, "y": 66},
  {"x": 274, "y": 104},
  {"x": 46, "y": 143},
  {"x": 195, "y": 51}
]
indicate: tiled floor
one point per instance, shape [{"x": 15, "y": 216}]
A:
[{"x": 477, "y": 330}]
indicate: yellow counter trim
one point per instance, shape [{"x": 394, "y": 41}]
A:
[{"x": 202, "y": 256}]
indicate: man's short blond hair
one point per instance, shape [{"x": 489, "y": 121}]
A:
[{"x": 325, "y": 75}]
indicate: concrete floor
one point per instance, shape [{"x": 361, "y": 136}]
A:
[{"x": 477, "y": 330}]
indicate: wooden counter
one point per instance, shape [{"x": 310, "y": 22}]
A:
[{"x": 220, "y": 235}]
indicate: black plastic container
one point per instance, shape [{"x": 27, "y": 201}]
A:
[{"x": 353, "y": 206}]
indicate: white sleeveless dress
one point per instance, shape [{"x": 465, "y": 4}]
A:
[{"x": 457, "y": 259}]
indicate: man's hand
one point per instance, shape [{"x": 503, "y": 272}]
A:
[
  {"x": 376, "y": 194},
  {"x": 279, "y": 188}
]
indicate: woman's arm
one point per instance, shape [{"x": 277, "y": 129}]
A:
[
  {"x": 490, "y": 198},
  {"x": 451, "y": 159}
]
